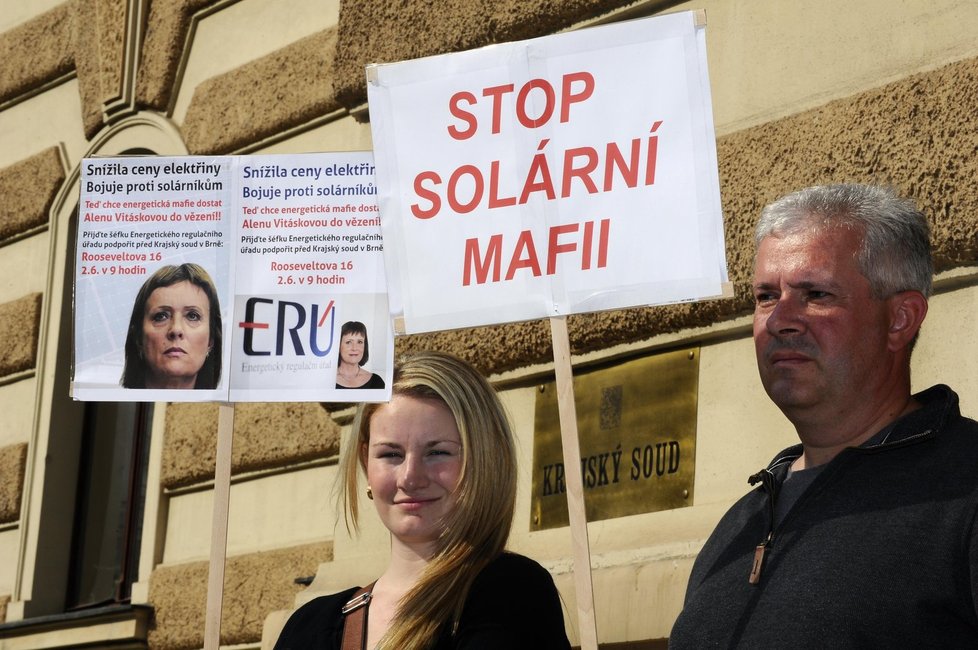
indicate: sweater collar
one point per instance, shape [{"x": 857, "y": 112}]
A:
[{"x": 938, "y": 403}]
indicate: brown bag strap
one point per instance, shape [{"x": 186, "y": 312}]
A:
[{"x": 355, "y": 619}]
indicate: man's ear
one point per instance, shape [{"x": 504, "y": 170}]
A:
[{"x": 907, "y": 312}]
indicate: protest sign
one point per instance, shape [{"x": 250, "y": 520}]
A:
[
  {"x": 560, "y": 175},
  {"x": 230, "y": 278}
]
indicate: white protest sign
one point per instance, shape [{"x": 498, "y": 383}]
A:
[
  {"x": 564, "y": 174},
  {"x": 230, "y": 278}
]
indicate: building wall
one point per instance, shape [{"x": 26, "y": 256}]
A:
[{"x": 803, "y": 93}]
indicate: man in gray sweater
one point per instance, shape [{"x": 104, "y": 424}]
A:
[{"x": 864, "y": 535}]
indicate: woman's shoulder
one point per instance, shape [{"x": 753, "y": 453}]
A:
[
  {"x": 315, "y": 624},
  {"x": 513, "y": 603},
  {"x": 507, "y": 565}
]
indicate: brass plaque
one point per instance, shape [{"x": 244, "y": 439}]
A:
[{"x": 637, "y": 427}]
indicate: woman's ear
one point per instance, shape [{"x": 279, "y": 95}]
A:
[{"x": 907, "y": 312}]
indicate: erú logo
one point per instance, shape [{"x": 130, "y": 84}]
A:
[{"x": 290, "y": 318}]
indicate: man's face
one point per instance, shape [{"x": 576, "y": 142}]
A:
[{"x": 820, "y": 336}]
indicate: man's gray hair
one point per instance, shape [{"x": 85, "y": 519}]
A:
[{"x": 895, "y": 253}]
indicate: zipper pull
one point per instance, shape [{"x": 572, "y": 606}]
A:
[
  {"x": 766, "y": 477},
  {"x": 755, "y": 569}
]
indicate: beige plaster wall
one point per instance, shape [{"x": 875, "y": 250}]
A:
[
  {"x": 771, "y": 58},
  {"x": 15, "y": 426},
  {"x": 376, "y": 31},
  {"x": 343, "y": 134},
  {"x": 15, "y": 12},
  {"x": 42, "y": 121},
  {"x": 267, "y": 513},
  {"x": 9, "y": 540},
  {"x": 24, "y": 267},
  {"x": 946, "y": 351}
]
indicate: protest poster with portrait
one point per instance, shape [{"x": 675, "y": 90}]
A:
[
  {"x": 310, "y": 311},
  {"x": 230, "y": 278}
]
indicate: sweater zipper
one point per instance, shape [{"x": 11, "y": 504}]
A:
[
  {"x": 766, "y": 477},
  {"x": 770, "y": 483}
]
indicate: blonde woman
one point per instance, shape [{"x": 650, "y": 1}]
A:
[{"x": 440, "y": 468}]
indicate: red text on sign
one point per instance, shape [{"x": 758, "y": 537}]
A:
[
  {"x": 586, "y": 169},
  {"x": 483, "y": 265},
  {"x": 575, "y": 87}
]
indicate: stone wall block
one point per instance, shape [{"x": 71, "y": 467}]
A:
[
  {"x": 13, "y": 465},
  {"x": 378, "y": 31},
  {"x": 254, "y": 585},
  {"x": 20, "y": 331},
  {"x": 167, "y": 27},
  {"x": 28, "y": 189},
  {"x": 36, "y": 52},
  {"x": 266, "y": 435},
  {"x": 282, "y": 90}
]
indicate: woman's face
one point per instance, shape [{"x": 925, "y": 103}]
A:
[
  {"x": 176, "y": 335},
  {"x": 351, "y": 348},
  {"x": 413, "y": 460}
]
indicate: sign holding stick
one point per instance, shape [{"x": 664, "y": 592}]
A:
[
  {"x": 560, "y": 175},
  {"x": 575, "y": 486},
  {"x": 219, "y": 527}
]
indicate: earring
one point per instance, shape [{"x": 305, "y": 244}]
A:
[{"x": 370, "y": 493}]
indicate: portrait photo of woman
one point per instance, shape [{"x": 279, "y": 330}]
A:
[
  {"x": 354, "y": 354},
  {"x": 174, "y": 335}
]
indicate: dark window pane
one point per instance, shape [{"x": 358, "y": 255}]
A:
[{"x": 108, "y": 515}]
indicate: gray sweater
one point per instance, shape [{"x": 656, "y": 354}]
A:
[{"x": 880, "y": 550}]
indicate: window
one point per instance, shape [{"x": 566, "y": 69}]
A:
[{"x": 109, "y": 503}]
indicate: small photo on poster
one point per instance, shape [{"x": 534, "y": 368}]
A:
[{"x": 306, "y": 346}]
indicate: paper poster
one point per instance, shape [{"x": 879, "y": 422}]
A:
[
  {"x": 564, "y": 174},
  {"x": 231, "y": 278}
]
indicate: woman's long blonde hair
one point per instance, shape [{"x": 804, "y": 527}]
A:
[{"x": 476, "y": 530}]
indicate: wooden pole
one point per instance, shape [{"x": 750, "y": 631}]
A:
[
  {"x": 219, "y": 527},
  {"x": 571, "y": 447}
]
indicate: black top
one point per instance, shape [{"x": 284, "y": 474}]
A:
[
  {"x": 513, "y": 604},
  {"x": 375, "y": 381}
]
